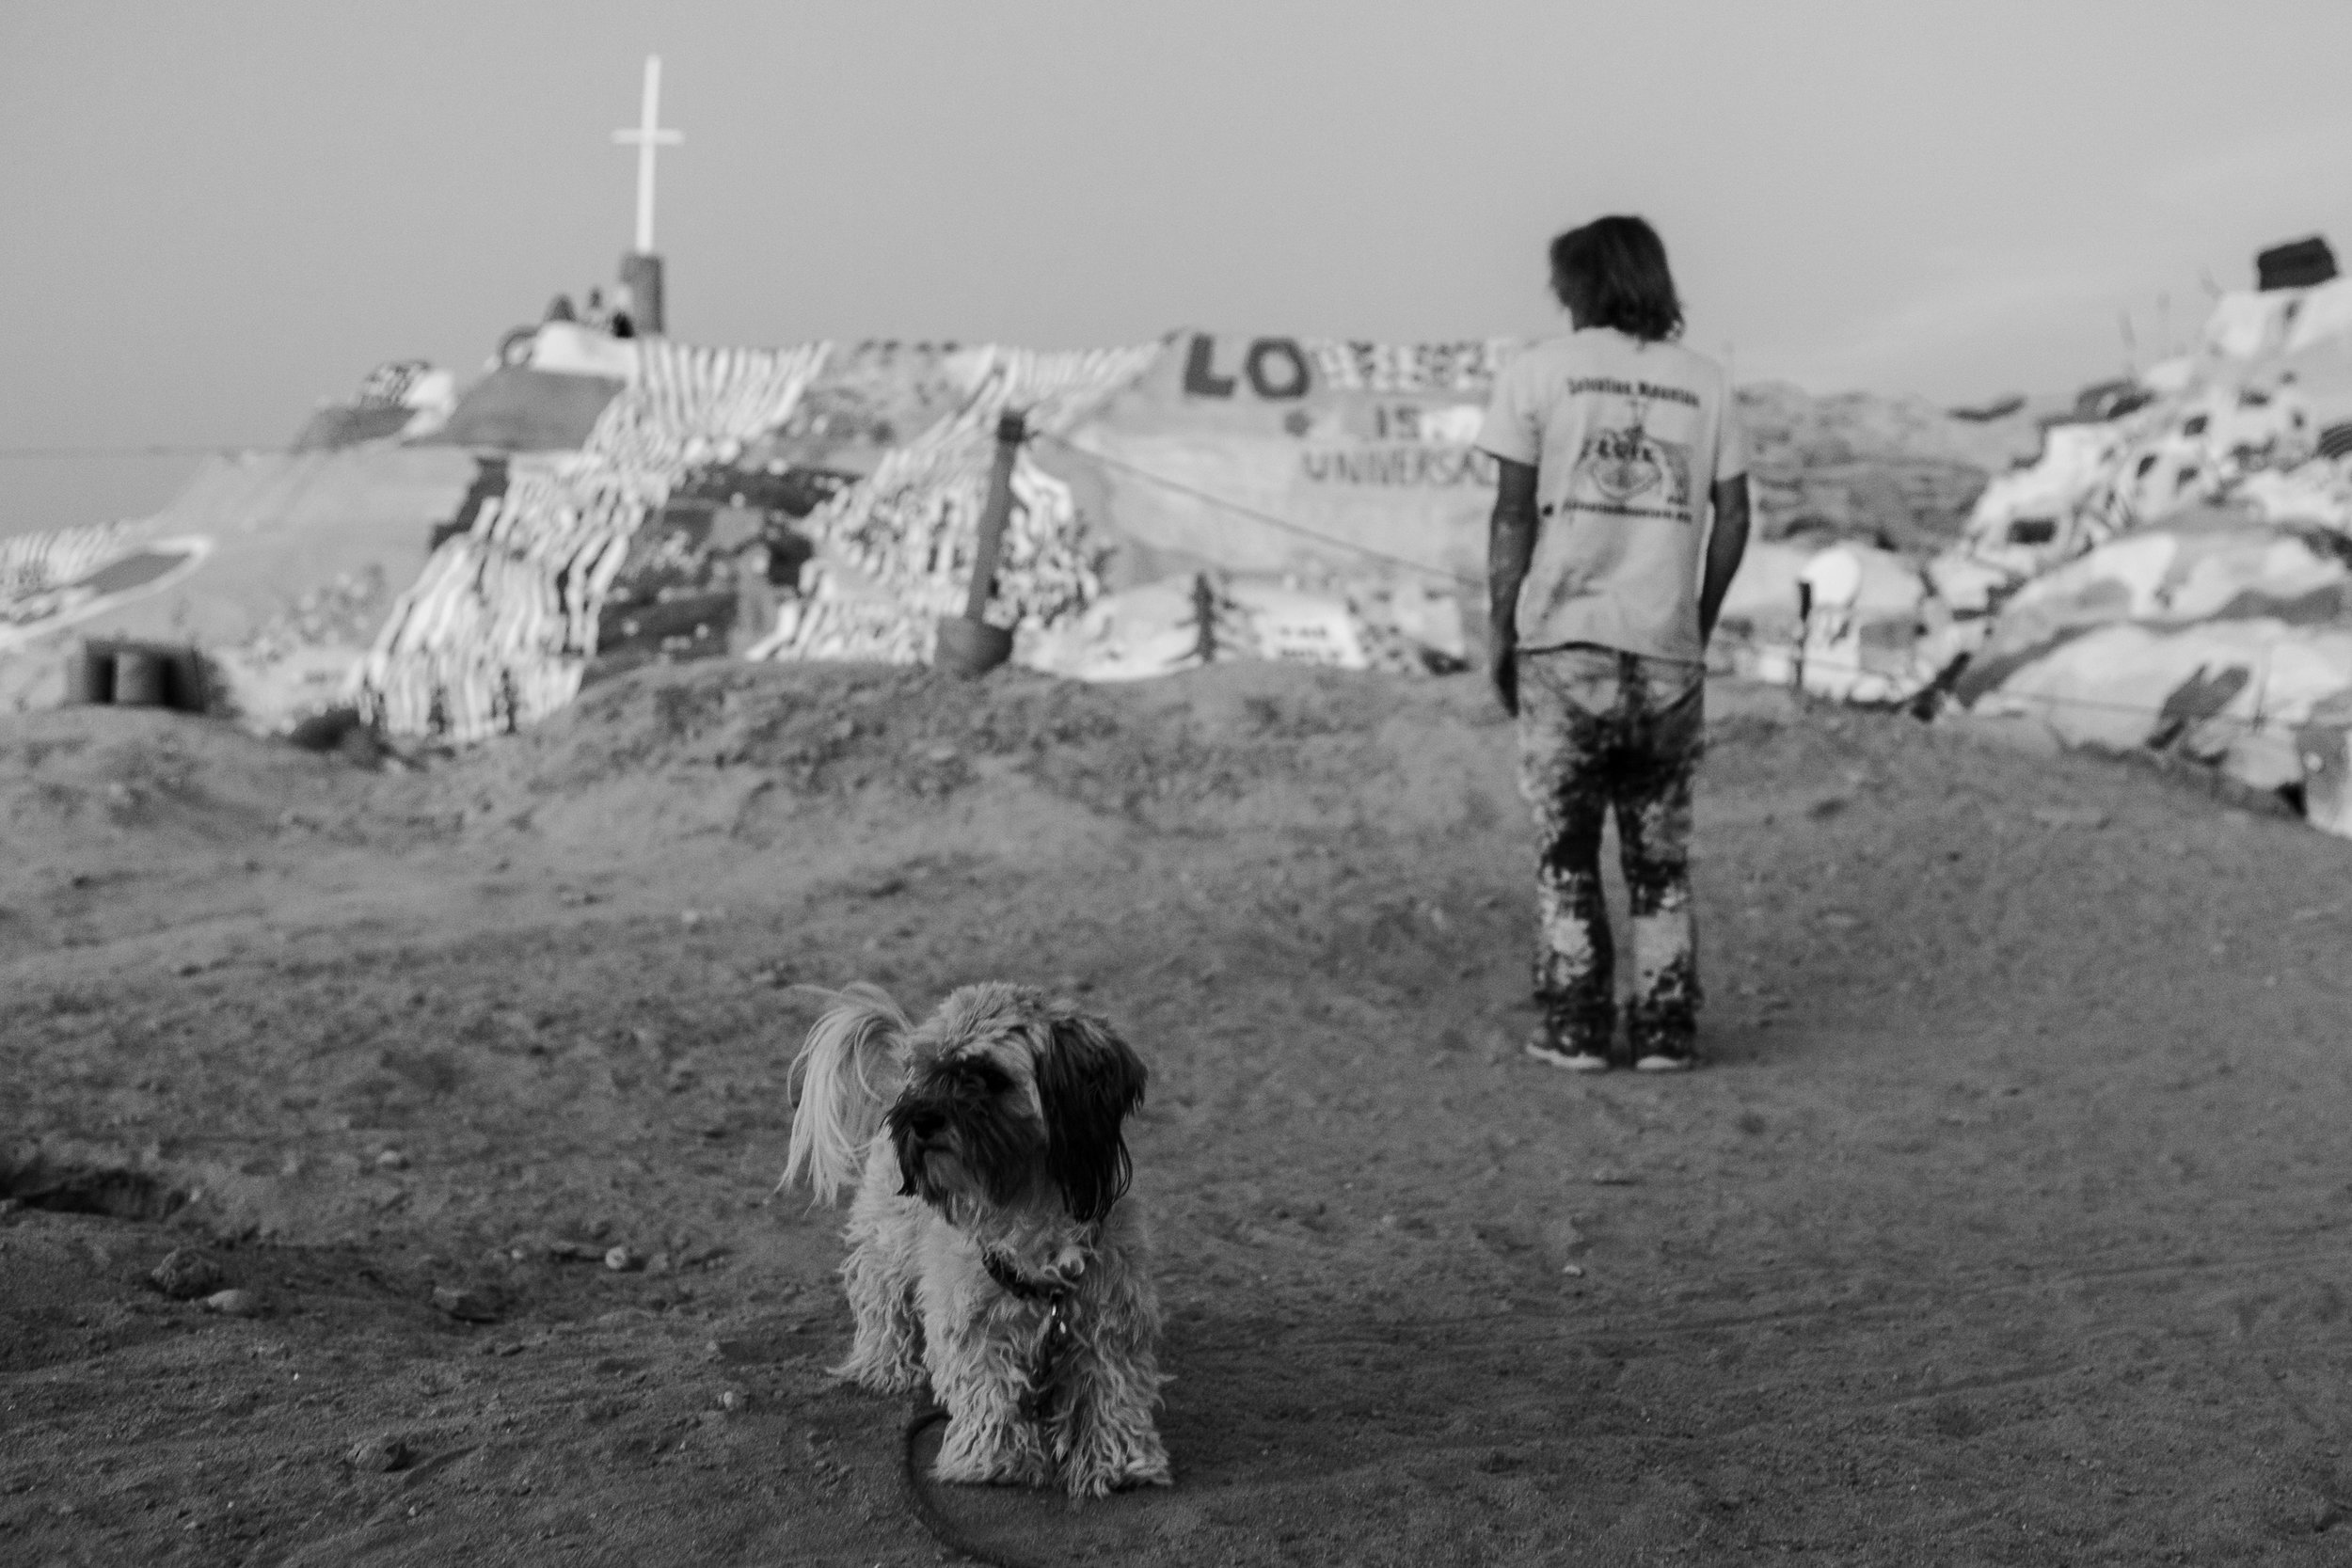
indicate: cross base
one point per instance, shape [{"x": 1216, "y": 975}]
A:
[{"x": 641, "y": 274}]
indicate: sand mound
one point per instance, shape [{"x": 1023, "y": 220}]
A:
[
  {"x": 753, "y": 748},
  {"x": 712, "y": 785},
  {"x": 1227, "y": 749},
  {"x": 90, "y": 779}
]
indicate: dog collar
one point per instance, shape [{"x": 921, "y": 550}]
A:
[
  {"x": 1012, "y": 1283},
  {"x": 1053, "y": 1342},
  {"x": 1000, "y": 1269}
]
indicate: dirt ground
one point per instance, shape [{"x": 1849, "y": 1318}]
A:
[{"x": 2005, "y": 1223}]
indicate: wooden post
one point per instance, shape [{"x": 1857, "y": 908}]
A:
[
  {"x": 1804, "y": 633},
  {"x": 968, "y": 645},
  {"x": 1011, "y": 432}
]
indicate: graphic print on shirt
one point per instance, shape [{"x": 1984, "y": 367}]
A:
[{"x": 1625, "y": 471}]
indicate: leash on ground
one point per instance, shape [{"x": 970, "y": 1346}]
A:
[
  {"x": 924, "y": 1415},
  {"x": 1053, "y": 1345}
]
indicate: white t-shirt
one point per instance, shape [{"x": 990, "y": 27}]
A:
[{"x": 1628, "y": 439}]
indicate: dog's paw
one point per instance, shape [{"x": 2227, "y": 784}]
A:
[
  {"x": 991, "y": 1457},
  {"x": 1098, "y": 1471}
]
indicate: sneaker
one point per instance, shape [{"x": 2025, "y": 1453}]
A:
[
  {"x": 1543, "y": 1050},
  {"x": 1659, "y": 1061}
]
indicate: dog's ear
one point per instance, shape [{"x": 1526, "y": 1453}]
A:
[{"x": 1088, "y": 1083}]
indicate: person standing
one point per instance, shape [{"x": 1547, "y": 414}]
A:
[{"x": 1614, "y": 445}]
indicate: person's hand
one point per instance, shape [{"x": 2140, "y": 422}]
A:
[{"x": 1506, "y": 677}]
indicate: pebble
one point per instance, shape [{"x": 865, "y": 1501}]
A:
[
  {"x": 186, "y": 1274},
  {"x": 2070, "y": 817},
  {"x": 379, "y": 1454},
  {"x": 467, "y": 1306},
  {"x": 1609, "y": 1175},
  {"x": 621, "y": 1260},
  {"x": 391, "y": 1159},
  {"x": 1574, "y": 1271},
  {"x": 233, "y": 1304},
  {"x": 690, "y": 918},
  {"x": 734, "y": 1398}
]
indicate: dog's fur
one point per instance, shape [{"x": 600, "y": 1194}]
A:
[{"x": 993, "y": 1128}]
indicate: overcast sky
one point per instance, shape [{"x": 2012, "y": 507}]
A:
[{"x": 213, "y": 215}]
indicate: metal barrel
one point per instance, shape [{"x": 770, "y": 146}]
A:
[
  {"x": 972, "y": 647},
  {"x": 90, "y": 675},
  {"x": 142, "y": 678}
]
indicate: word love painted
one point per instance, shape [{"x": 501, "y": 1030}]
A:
[{"x": 1275, "y": 368}]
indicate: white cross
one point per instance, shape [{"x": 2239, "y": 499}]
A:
[{"x": 647, "y": 136}]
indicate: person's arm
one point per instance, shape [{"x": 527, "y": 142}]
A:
[
  {"x": 1725, "y": 546},
  {"x": 1510, "y": 549}
]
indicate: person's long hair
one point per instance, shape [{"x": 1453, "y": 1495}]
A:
[{"x": 1613, "y": 273}]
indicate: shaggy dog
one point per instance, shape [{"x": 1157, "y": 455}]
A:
[{"x": 991, "y": 1245}]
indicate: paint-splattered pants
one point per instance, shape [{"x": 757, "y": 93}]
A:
[{"x": 1601, "y": 730}]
